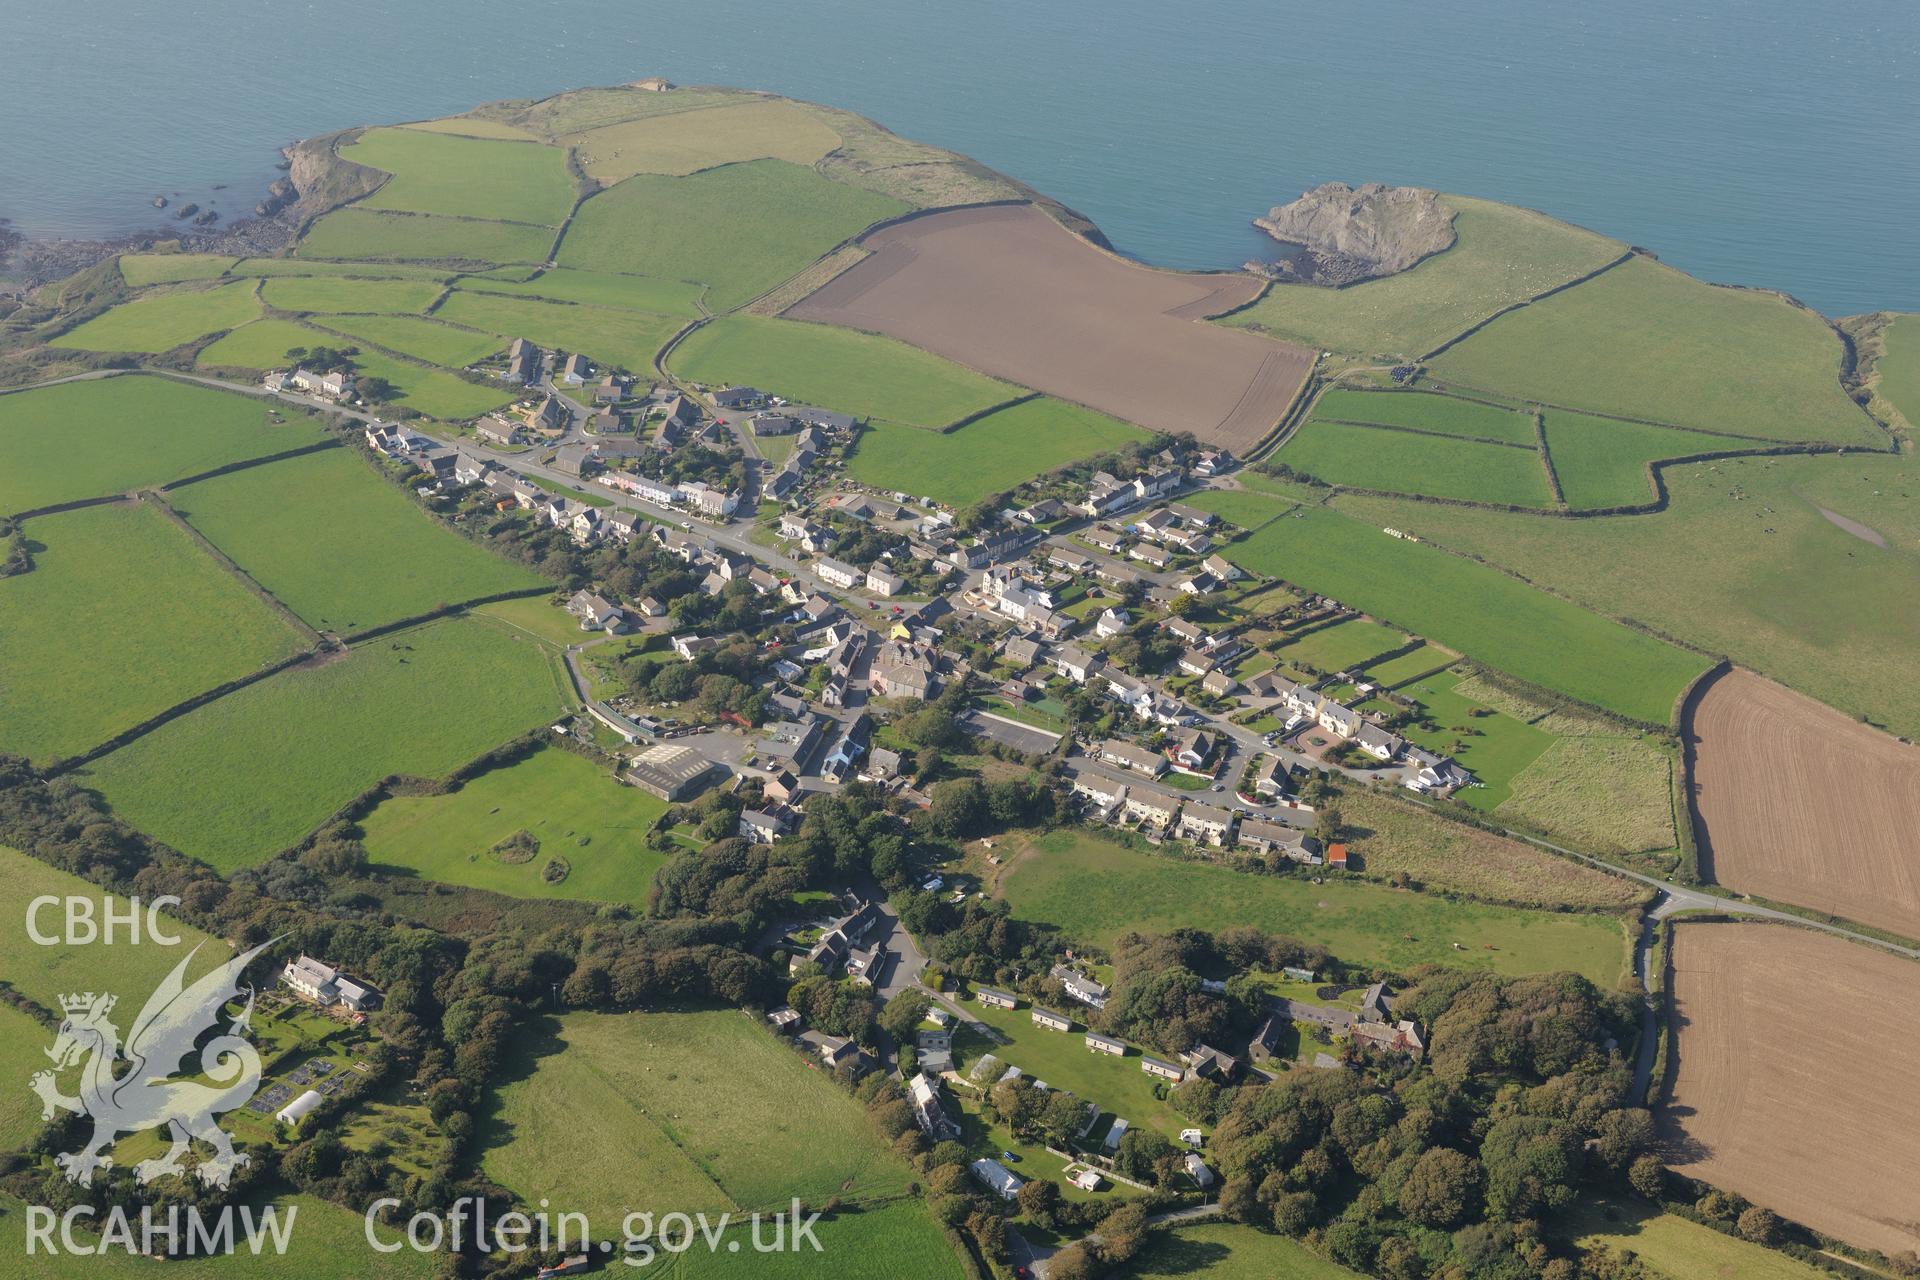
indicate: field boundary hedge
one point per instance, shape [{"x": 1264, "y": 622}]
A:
[
  {"x": 971, "y": 418},
  {"x": 245, "y": 579},
  {"x": 1511, "y": 307},
  {"x": 442, "y": 611}
]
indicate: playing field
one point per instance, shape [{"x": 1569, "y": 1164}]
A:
[
  {"x": 1012, "y": 293},
  {"x": 692, "y": 1111},
  {"x": 993, "y": 455},
  {"x": 1501, "y": 255},
  {"x": 563, "y": 800},
  {"x": 293, "y": 525},
  {"x": 429, "y": 340},
  {"x": 368, "y": 233},
  {"x": 1350, "y": 642},
  {"x": 857, "y": 373},
  {"x": 244, "y": 777},
  {"x": 1602, "y": 462},
  {"x": 1764, "y": 1014},
  {"x": 1782, "y": 783},
  {"x": 605, "y": 335},
  {"x": 1424, "y": 411},
  {"x": 1899, "y": 367},
  {"x": 121, "y": 618},
  {"x": 687, "y": 141},
  {"x": 347, "y": 294},
  {"x": 714, "y": 228},
  {"x": 1228, "y": 1251},
  {"x": 141, "y": 269},
  {"x": 1647, "y": 341},
  {"x": 162, "y": 321},
  {"x": 91, "y": 439},
  {"x": 601, "y": 289},
  {"x": 468, "y": 177},
  {"x": 1766, "y": 578},
  {"x": 1358, "y": 457},
  {"x": 1471, "y": 608},
  {"x": 1097, "y": 890},
  {"x": 1495, "y": 747}
]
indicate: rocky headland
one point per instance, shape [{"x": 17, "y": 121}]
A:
[{"x": 1348, "y": 234}]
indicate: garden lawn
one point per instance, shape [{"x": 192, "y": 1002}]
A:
[
  {"x": 1677, "y": 1247},
  {"x": 1501, "y": 255},
  {"x": 90, "y": 439},
  {"x": 428, "y": 340},
  {"x": 605, "y": 335},
  {"x": 600, "y": 289},
  {"x": 887, "y": 1242},
  {"x": 1899, "y": 367},
  {"x": 993, "y": 455},
  {"x": 121, "y": 617},
  {"x": 704, "y": 1111},
  {"x": 1474, "y": 609},
  {"x": 569, "y": 804},
  {"x": 1765, "y": 578},
  {"x": 243, "y": 777},
  {"x": 263, "y": 344},
  {"x": 1409, "y": 462},
  {"x": 1602, "y": 462},
  {"x": 470, "y": 177},
  {"x": 1648, "y": 341},
  {"x": 1096, "y": 890},
  {"x": 687, "y": 141},
  {"x": 1426, "y": 412},
  {"x": 1345, "y": 644},
  {"x": 1417, "y": 662},
  {"x": 347, "y": 294},
  {"x": 163, "y": 321},
  {"x": 367, "y": 233},
  {"x": 1491, "y": 744},
  {"x": 859, "y": 373},
  {"x": 1229, "y": 1251},
  {"x": 141, "y": 269},
  {"x": 434, "y": 392},
  {"x": 339, "y": 545},
  {"x": 741, "y": 229}
]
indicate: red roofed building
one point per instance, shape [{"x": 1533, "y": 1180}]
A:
[{"x": 1337, "y": 856}]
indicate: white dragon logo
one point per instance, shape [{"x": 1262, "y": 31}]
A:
[{"x": 145, "y": 1096}]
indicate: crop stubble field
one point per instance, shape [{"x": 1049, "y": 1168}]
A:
[
  {"x": 1802, "y": 804},
  {"x": 1010, "y": 292},
  {"x": 1790, "y": 1085}
]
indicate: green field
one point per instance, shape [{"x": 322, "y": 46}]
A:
[
  {"x": 366, "y": 233},
  {"x": 566, "y": 801},
  {"x": 296, "y": 527},
  {"x": 141, "y": 269},
  {"x": 627, "y": 339},
  {"x": 896, "y": 1239},
  {"x": 714, "y": 227},
  {"x": 600, "y": 289},
  {"x": 470, "y": 177},
  {"x": 434, "y": 392},
  {"x": 550, "y": 622},
  {"x": 1246, "y": 509},
  {"x": 1408, "y": 665},
  {"x": 273, "y": 267},
  {"x": 859, "y": 373},
  {"x": 1611, "y": 795},
  {"x": 90, "y": 439},
  {"x": 121, "y": 618},
  {"x": 1502, "y": 255},
  {"x": 1494, "y": 747},
  {"x": 1096, "y": 890},
  {"x": 992, "y": 455},
  {"x": 471, "y": 127},
  {"x": 1228, "y": 1251},
  {"x": 347, "y": 294},
  {"x": 263, "y": 344},
  {"x": 1680, "y": 1249},
  {"x": 1602, "y": 462},
  {"x": 690, "y": 1110},
  {"x": 1345, "y": 644},
  {"x": 1899, "y": 367},
  {"x": 428, "y": 340},
  {"x": 1647, "y": 341},
  {"x": 1765, "y": 578},
  {"x": 23, "y": 1042},
  {"x": 687, "y": 141},
  {"x": 1409, "y": 462},
  {"x": 1426, "y": 412},
  {"x": 1471, "y": 608},
  {"x": 1062, "y": 1059},
  {"x": 248, "y": 775},
  {"x": 163, "y": 321}
]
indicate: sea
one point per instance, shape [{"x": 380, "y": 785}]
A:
[{"x": 1754, "y": 142}]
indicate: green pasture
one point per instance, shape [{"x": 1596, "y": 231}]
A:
[
  {"x": 142, "y": 269},
  {"x": 884, "y": 1242},
  {"x": 1408, "y": 665},
  {"x": 716, "y": 228},
  {"x": 423, "y": 339},
  {"x": 1646, "y": 341},
  {"x": 1493, "y": 746},
  {"x": 542, "y": 617},
  {"x": 348, "y": 294},
  {"x": 1602, "y": 462},
  {"x": 568, "y": 803},
  {"x": 359, "y": 233},
  {"x": 993, "y": 455},
  {"x": 1349, "y": 643},
  {"x": 1229, "y": 1251},
  {"x": 262, "y": 344},
  {"x": 251, "y": 773},
  {"x": 472, "y": 127},
  {"x": 600, "y": 289},
  {"x": 340, "y": 546},
  {"x": 687, "y": 141},
  {"x": 90, "y": 439},
  {"x": 467, "y": 177},
  {"x": 1409, "y": 462},
  {"x": 1899, "y": 367},
  {"x": 23, "y": 1042},
  {"x": 271, "y": 268},
  {"x": 627, "y": 339},
  {"x": 1678, "y": 1247},
  {"x": 1426, "y": 411},
  {"x": 858, "y": 373},
  {"x": 162, "y": 321},
  {"x": 434, "y": 392},
  {"x": 1242, "y": 508},
  {"x": 121, "y": 617}
]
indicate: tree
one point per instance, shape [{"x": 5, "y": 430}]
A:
[
  {"x": 904, "y": 1013},
  {"x": 1762, "y": 1226},
  {"x": 1123, "y": 1232},
  {"x": 1648, "y": 1177},
  {"x": 1622, "y": 1136},
  {"x": 1442, "y": 1189},
  {"x": 958, "y": 806},
  {"x": 1072, "y": 1263},
  {"x": 1040, "y": 1200}
]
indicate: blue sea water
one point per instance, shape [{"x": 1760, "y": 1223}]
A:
[{"x": 1764, "y": 142}]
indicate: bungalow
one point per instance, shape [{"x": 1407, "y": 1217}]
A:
[
  {"x": 997, "y": 1178},
  {"x": 996, "y": 999},
  {"x": 1192, "y": 633},
  {"x": 1191, "y": 517},
  {"x": 1218, "y": 683},
  {"x": 1132, "y": 756},
  {"x": 1195, "y": 662},
  {"x": 1377, "y": 742},
  {"x": 1220, "y": 568},
  {"x": 835, "y": 1050},
  {"x": 833, "y": 571},
  {"x": 1068, "y": 559},
  {"x": 1204, "y": 824},
  {"x": 1112, "y": 622},
  {"x": 738, "y": 397},
  {"x": 769, "y": 423},
  {"x": 1158, "y": 557},
  {"x": 690, "y": 646},
  {"x": 1198, "y": 584},
  {"x": 1165, "y": 1070},
  {"x": 1106, "y": 1044},
  {"x": 1042, "y": 512},
  {"x": 498, "y": 431},
  {"x": 1051, "y": 1020},
  {"x": 1105, "y": 537}
]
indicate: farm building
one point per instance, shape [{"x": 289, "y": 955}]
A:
[{"x": 669, "y": 772}]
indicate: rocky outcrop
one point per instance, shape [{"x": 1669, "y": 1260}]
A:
[{"x": 1348, "y": 234}]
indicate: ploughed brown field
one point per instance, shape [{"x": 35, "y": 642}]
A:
[
  {"x": 1010, "y": 292},
  {"x": 1803, "y": 805},
  {"x": 1795, "y": 1086}
]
